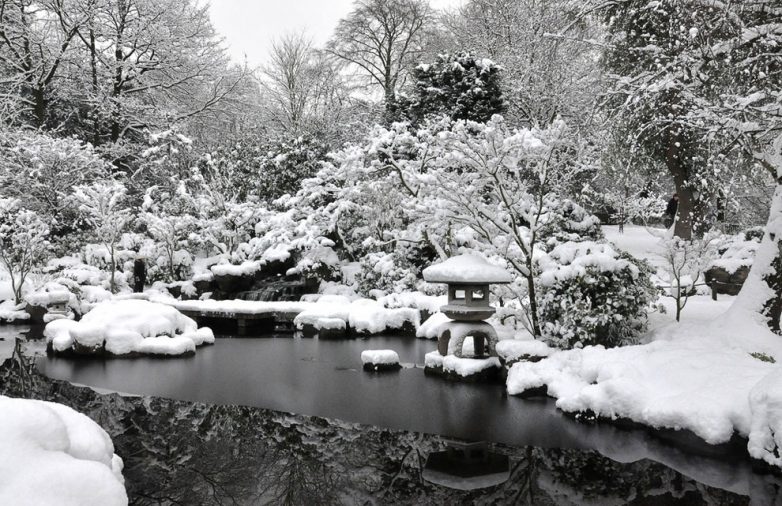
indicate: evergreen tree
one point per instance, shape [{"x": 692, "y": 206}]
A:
[{"x": 458, "y": 86}]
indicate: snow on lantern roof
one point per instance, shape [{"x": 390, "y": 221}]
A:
[{"x": 466, "y": 269}]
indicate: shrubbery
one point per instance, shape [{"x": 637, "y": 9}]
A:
[{"x": 591, "y": 294}]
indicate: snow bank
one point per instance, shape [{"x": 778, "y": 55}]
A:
[
  {"x": 129, "y": 326},
  {"x": 51, "y": 454},
  {"x": 698, "y": 376},
  {"x": 468, "y": 268}
]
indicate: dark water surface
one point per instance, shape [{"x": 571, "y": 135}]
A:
[{"x": 324, "y": 378}]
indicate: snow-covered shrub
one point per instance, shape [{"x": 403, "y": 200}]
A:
[
  {"x": 386, "y": 272},
  {"x": 738, "y": 251},
  {"x": 591, "y": 294}
]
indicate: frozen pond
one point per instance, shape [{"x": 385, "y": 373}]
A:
[{"x": 324, "y": 378}]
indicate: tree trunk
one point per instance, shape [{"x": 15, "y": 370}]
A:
[
  {"x": 39, "y": 109},
  {"x": 533, "y": 301},
  {"x": 689, "y": 215},
  {"x": 112, "y": 281},
  {"x": 762, "y": 291}
]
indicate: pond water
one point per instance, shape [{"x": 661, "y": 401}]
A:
[{"x": 324, "y": 378}]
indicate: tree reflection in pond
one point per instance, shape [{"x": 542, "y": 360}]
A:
[{"x": 191, "y": 453}]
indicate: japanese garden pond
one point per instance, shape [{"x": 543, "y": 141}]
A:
[{"x": 247, "y": 377}]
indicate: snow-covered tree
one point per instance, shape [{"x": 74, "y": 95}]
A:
[
  {"x": 686, "y": 262},
  {"x": 459, "y": 86},
  {"x": 24, "y": 243},
  {"x": 503, "y": 185},
  {"x": 42, "y": 171},
  {"x": 103, "y": 209},
  {"x": 382, "y": 39}
]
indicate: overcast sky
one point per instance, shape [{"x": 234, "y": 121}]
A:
[{"x": 249, "y": 25}]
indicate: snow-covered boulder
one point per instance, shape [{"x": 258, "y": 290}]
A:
[
  {"x": 380, "y": 360},
  {"x": 128, "y": 327},
  {"x": 370, "y": 317},
  {"x": 462, "y": 369},
  {"x": 51, "y": 454},
  {"x": 11, "y": 312},
  {"x": 514, "y": 350}
]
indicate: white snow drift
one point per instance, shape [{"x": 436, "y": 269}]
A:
[
  {"x": 711, "y": 378},
  {"x": 51, "y": 454}
]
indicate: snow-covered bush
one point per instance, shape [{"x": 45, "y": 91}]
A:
[
  {"x": 738, "y": 251},
  {"x": 592, "y": 294},
  {"x": 386, "y": 272},
  {"x": 24, "y": 243},
  {"x": 103, "y": 208}
]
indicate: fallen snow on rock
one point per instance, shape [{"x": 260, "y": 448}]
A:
[
  {"x": 512, "y": 350},
  {"x": 708, "y": 377},
  {"x": 11, "y": 312},
  {"x": 468, "y": 366},
  {"x": 129, "y": 326},
  {"x": 379, "y": 357},
  {"x": 51, "y": 454}
]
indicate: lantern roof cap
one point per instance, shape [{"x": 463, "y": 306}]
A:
[{"x": 466, "y": 269}]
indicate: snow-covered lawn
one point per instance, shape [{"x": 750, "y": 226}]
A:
[{"x": 51, "y": 454}]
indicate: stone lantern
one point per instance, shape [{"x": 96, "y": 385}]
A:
[{"x": 468, "y": 278}]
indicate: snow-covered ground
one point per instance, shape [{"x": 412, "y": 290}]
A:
[
  {"x": 51, "y": 454},
  {"x": 715, "y": 373}
]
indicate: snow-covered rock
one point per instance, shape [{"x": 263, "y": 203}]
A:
[
  {"x": 462, "y": 369},
  {"x": 11, "y": 312},
  {"x": 513, "y": 350},
  {"x": 380, "y": 360},
  {"x": 51, "y": 454},
  {"x": 130, "y": 326}
]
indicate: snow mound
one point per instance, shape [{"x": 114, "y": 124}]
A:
[
  {"x": 51, "y": 454},
  {"x": 467, "y": 268},
  {"x": 129, "y": 326},
  {"x": 707, "y": 377}
]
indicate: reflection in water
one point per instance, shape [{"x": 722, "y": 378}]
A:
[{"x": 260, "y": 456}]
